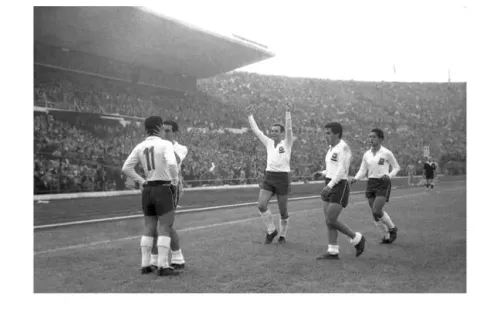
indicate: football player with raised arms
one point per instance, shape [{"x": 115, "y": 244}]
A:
[
  {"x": 376, "y": 162},
  {"x": 157, "y": 157},
  {"x": 277, "y": 175}
]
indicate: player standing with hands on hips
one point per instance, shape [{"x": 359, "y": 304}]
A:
[
  {"x": 376, "y": 162},
  {"x": 171, "y": 129},
  {"x": 335, "y": 194},
  {"x": 277, "y": 175},
  {"x": 157, "y": 157}
]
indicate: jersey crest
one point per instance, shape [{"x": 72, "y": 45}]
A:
[
  {"x": 281, "y": 150},
  {"x": 334, "y": 157},
  {"x": 381, "y": 161}
]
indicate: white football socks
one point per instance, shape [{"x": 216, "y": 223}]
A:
[
  {"x": 384, "y": 233},
  {"x": 387, "y": 221},
  {"x": 356, "y": 239},
  {"x": 154, "y": 259},
  {"x": 283, "y": 227},
  {"x": 146, "y": 246},
  {"x": 163, "y": 248},
  {"x": 267, "y": 217},
  {"x": 177, "y": 257},
  {"x": 333, "y": 249}
]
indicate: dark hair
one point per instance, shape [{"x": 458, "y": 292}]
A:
[
  {"x": 282, "y": 128},
  {"x": 153, "y": 124},
  {"x": 175, "y": 127},
  {"x": 379, "y": 132},
  {"x": 335, "y": 128}
]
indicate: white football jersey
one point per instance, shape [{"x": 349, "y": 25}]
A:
[
  {"x": 337, "y": 160},
  {"x": 157, "y": 158},
  {"x": 378, "y": 165},
  {"x": 278, "y": 157}
]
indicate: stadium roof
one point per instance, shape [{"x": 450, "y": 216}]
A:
[{"x": 141, "y": 36}]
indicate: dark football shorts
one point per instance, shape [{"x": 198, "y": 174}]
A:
[
  {"x": 339, "y": 193},
  {"x": 277, "y": 182},
  {"x": 158, "y": 198},
  {"x": 378, "y": 188}
]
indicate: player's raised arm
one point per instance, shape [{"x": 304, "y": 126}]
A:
[
  {"x": 172, "y": 167},
  {"x": 394, "y": 163},
  {"x": 129, "y": 165},
  {"x": 253, "y": 125},
  {"x": 362, "y": 169},
  {"x": 344, "y": 162},
  {"x": 288, "y": 126}
]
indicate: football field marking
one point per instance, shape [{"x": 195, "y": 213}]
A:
[
  {"x": 181, "y": 211},
  {"x": 97, "y": 243}
]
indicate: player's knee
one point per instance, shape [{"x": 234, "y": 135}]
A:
[
  {"x": 377, "y": 215},
  {"x": 262, "y": 207},
  {"x": 330, "y": 221}
]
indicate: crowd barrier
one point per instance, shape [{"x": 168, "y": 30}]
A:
[{"x": 49, "y": 197}]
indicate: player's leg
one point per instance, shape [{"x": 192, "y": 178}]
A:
[
  {"x": 154, "y": 250},
  {"x": 267, "y": 216},
  {"x": 332, "y": 207},
  {"x": 150, "y": 222},
  {"x": 333, "y": 248},
  {"x": 332, "y": 212},
  {"x": 371, "y": 193},
  {"x": 382, "y": 218},
  {"x": 267, "y": 190},
  {"x": 178, "y": 261},
  {"x": 174, "y": 243},
  {"x": 166, "y": 217},
  {"x": 283, "y": 189},
  {"x": 147, "y": 243},
  {"x": 284, "y": 217}
]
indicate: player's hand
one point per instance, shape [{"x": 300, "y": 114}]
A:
[
  {"x": 250, "y": 109},
  {"x": 386, "y": 178},
  {"x": 353, "y": 180},
  {"x": 288, "y": 106},
  {"x": 326, "y": 191},
  {"x": 143, "y": 185},
  {"x": 317, "y": 174}
]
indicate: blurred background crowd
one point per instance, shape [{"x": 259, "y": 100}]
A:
[{"x": 82, "y": 147}]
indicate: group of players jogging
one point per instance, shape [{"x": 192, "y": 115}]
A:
[{"x": 161, "y": 158}]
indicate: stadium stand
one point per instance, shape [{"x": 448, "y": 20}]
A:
[{"x": 88, "y": 108}]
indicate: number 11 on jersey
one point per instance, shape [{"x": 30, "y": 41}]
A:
[{"x": 150, "y": 152}]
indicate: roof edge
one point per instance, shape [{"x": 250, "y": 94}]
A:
[{"x": 247, "y": 44}]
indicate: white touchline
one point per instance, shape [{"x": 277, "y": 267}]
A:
[
  {"x": 86, "y": 245},
  {"x": 181, "y": 211}
]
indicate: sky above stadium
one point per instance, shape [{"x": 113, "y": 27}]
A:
[{"x": 383, "y": 40}]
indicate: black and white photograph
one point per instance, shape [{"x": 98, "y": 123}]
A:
[{"x": 302, "y": 147}]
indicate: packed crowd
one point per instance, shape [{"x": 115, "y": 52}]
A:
[{"x": 88, "y": 157}]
